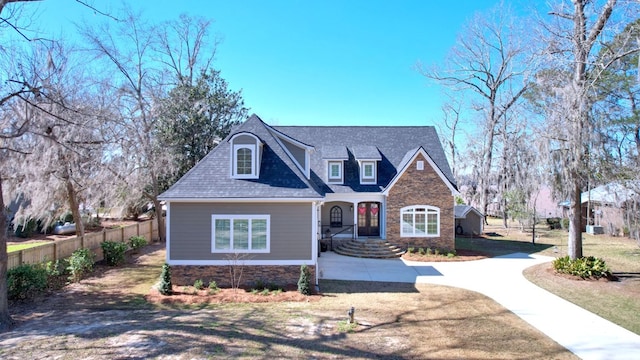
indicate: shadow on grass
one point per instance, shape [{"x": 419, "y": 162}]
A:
[
  {"x": 363, "y": 287},
  {"x": 495, "y": 247}
]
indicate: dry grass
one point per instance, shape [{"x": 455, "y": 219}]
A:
[{"x": 107, "y": 317}]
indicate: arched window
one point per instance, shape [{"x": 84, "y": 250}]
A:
[
  {"x": 335, "y": 216},
  {"x": 244, "y": 162},
  {"x": 420, "y": 221}
]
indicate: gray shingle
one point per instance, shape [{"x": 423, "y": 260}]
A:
[{"x": 281, "y": 178}]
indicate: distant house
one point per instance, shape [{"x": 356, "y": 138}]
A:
[
  {"x": 603, "y": 208},
  {"x": 265, "y": 196},
  {"x": 469, "y": 221}
]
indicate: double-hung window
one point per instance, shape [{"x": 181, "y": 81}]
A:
[
  {"x": 420, "y": 221},
  {"x": 240, "y": 233},
  {"x": 335, "y": 171}
]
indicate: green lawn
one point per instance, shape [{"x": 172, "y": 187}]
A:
[
  {"x": 18, "y": 247},
  {"x": 617, "y": 301}
]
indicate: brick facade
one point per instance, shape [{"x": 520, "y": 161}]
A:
[
  {"x": 281, "y": 275},
  {"x": 421, "y": 187}
]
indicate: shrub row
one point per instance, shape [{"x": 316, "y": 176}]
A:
[
  {"x": 584, "y": 267},
  {"x": 27, "y": 280}
]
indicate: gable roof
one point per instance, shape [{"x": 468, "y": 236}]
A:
[
  {"x": 391, "y": 145},
  {"x": 408, "y": 160},
  {"x": 281, "y": 177},
  {"x": 211, "y": 177},
  {"x": 461, "y": 211}
]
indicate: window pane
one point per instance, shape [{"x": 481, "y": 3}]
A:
[
  {"x": 420, "y": 224},
  {"x": 432, "y": 224},
  {"x": 243, "y": 161},
  {"x": 368, "y": 170},
  {"x": 223, "y": 239},
  {"x": 407, "y": 223},
  {"x": 335, "y": 170},
  {"x": 258, "y": 234},
  {"x": 241, "y": 234}
]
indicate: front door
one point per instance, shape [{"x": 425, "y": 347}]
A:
[{"x": 369, "y": 219}]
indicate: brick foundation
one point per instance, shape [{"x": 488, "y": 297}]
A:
[{"x": 281, "y": 275}]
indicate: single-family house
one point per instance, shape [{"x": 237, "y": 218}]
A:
[
  {"x": 266, "y": 195},
  {"x": 603, "y": 208}
]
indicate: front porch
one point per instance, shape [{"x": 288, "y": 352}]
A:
[{"x": 341, "y": 221}]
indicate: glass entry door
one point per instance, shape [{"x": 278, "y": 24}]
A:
[{"x": 369, "y": 219}]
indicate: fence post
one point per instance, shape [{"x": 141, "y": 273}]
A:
[
  {"x": 137, "y": 229},
  {"x": 81, "y": 242},
  {"x": 55, "y": 251},
  {"x": 122, "y": 233},
  {"x": 20, "y": 257}
]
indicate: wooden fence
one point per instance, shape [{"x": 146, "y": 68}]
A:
[{"x": 60, "y": 249}]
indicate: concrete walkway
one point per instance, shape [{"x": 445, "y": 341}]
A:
[{"x": 582, "y": 332}]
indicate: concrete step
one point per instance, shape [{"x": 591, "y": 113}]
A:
[{"x": 369, "y": 248}]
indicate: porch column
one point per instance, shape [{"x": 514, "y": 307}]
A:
[{"x": 355, "y": 220}]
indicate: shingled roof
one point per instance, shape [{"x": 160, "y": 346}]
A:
[{"x": 281, "y": 178}]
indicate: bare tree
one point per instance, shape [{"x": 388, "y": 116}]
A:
[
  {"x": 491, "y": 62},
  {"x": 576, "y": 30},
  {"x": 449, "y": 130}
]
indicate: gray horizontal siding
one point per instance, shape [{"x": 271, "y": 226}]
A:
[{"x": 190, "y": 230}]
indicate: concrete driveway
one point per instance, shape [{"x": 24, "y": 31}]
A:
[{"x": 582, "y": 332}]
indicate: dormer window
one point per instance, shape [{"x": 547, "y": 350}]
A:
[
  {"x": 335, "y": 172},
  {"x": 244, "y": 163},
  {"x": 246, "y": 151},
  {"x": 368, "y": 173}
]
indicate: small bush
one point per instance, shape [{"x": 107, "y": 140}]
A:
[
  {"x": 436, "y": 252},
  {"x": 137, "y": 242},
  {"x": 80, "y": 263},
  {"x": 26, "y": 281},
  {"x": 165, "y": 287},
  {"x": 198, "y": 284},
  {"x": 213, "y": 287},
  {"x": 113, "y": 252},
  {"x": 304, "y": 282},
  {"x": 584, "y": 267},
  {"x": 57, "y": 268},
  {"x": 422, "y": 251},
  {"x": 451, "y": 255},
  {"x": 411, "y": 250}
]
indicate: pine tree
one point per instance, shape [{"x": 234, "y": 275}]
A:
[
  {"x": 304, "y": 283},
  {"x": 165, "y": 287}
]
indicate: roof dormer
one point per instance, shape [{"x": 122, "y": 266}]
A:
[
  {"x": 246, "y": 153},
  {"x": 334, "y": 157},
  {"x": 368, "y": 158}
]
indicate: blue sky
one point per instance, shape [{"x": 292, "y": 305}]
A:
[{"x": 317, "y": 62}]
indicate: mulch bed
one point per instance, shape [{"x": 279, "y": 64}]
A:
[
  {"x": 461, "y": 255},
  {"x": 188, "y": 295}
]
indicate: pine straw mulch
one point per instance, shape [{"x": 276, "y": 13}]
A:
[
  {"x": 461, "y": 255},
  {"x": 188, "y": 295}
]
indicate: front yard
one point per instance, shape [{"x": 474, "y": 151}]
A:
[
  {"x": 617, "y": 301},
  {"x": 110, "y": 318}
]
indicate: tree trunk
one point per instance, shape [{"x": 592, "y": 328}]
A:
[
  {"x": 6, "y": 322},
  {"x": 574, "y": 243},
  {"x": 75, "y": 207}
]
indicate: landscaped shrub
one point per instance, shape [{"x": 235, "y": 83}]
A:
[
  {"x": 25, "y": 281},
  {"x": 137, "y": 242},
  {"x": 57, "y": 268},
  {"x": 80, "y": 262},
  {"x": 165, "y": 287},
  {"x": 584, "y": 267},
  {"x": 113, "y": 252},
  {"x": 198, "y": 284},
  {"x": 213, "y": 287},
  {"x": 304, "y": 282},
  {"x": 411, "y": 250}
]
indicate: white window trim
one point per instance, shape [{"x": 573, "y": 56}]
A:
[
  {"x": 254, "y": 159},
  {"x": 335, "y": 179},
  {"x": 429, "y": 209},
  {"x": 373, "y": 179},
  {"x": 231, "y": 250}
]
